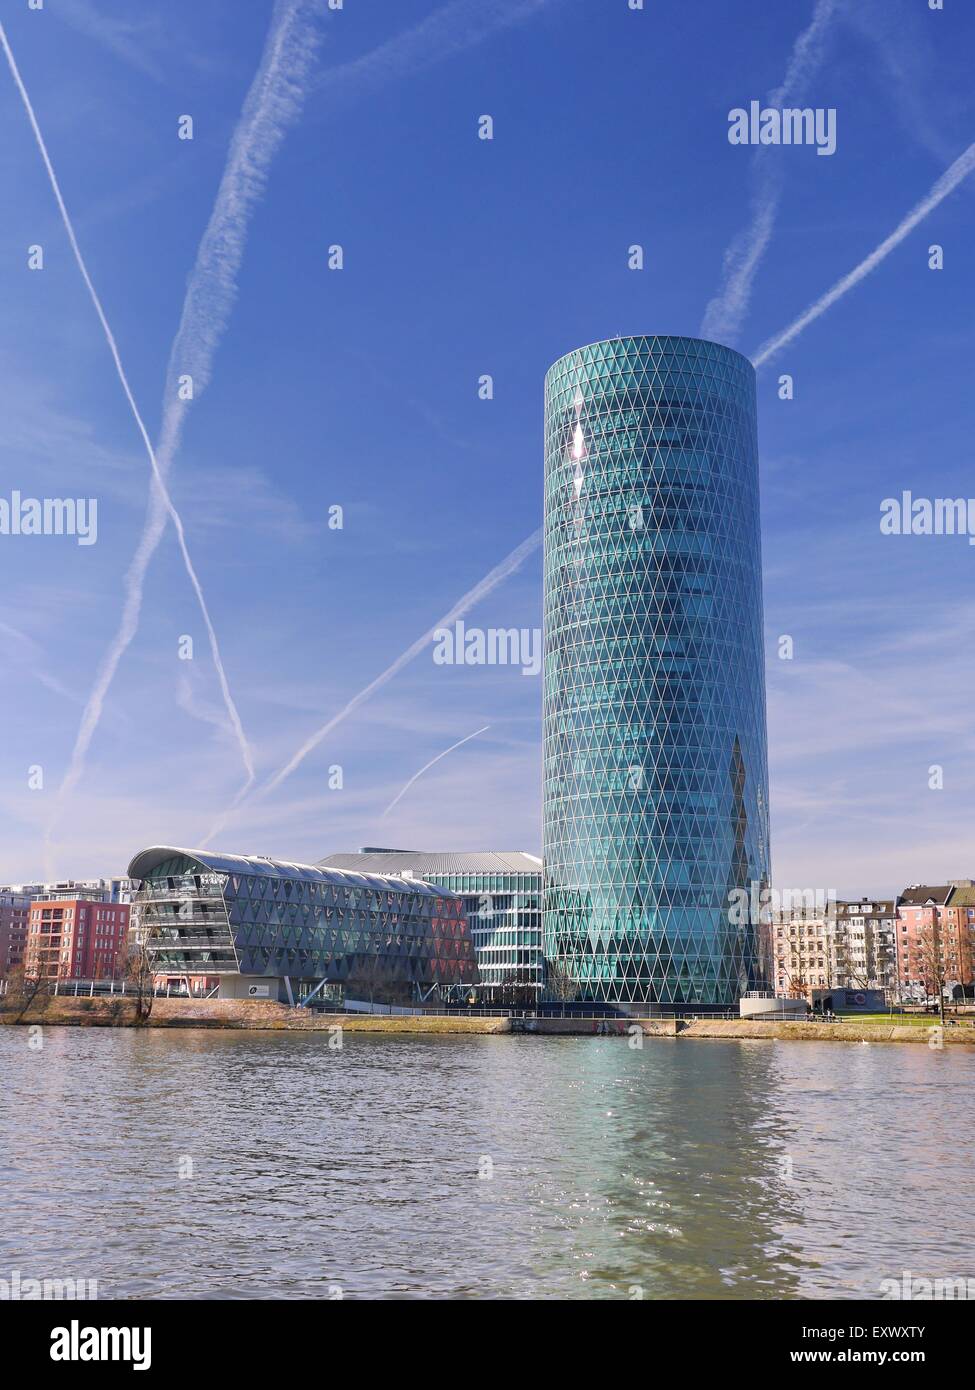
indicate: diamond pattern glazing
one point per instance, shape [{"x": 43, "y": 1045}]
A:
[
  {"x": 205, "y": 914},
  {"x": 655, "y": 763}
]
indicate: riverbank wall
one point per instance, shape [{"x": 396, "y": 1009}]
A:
[
  {"x": 260, "y": 1015},
  {"x": 847, "y": 1031},
  {"x": 264, "y": 1015}
]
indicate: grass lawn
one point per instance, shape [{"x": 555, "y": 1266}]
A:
[{"x": 920, "y": 1020}]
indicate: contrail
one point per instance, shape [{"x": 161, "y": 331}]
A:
[
  {"x": 128, "y": 39},
  {"x": 450, "y": 29},
  {"x": 426, "y": 767},
  {"x": 947, "y": 183},
  {"x": 725, "y": 313},
  {"x": 29, "y": 648},
  {"x": 480, "y": 590},
  {"x": 272, "y": 104},
  {"x": 160, "y": 495}
]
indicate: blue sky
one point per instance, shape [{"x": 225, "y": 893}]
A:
[{"x": 358, "y": 388}]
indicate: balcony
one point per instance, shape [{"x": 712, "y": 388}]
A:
[
  {"x": 191, "y": 941},
  {"x": 209, "y": 921}
]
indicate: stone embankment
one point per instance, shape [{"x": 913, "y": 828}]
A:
[
  {"x": 265, "y": 1015},
  {"x": 119, "y": 1012},
  {"x": 848, "y": 1031}
]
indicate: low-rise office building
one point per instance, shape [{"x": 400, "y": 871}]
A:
[
  {"x": 270, "y": 929},
  {"x": 502, "y": 893},
  {"x": 848, "y": 1001}
]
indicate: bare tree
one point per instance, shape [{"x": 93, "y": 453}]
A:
[
  {"x": 560, "y": 984},
  {"x": 138, "y": 976},
  {"x": 517, "y": 990},
  {"x": 966, "y": 953},
  {"x": 369, "y": 973},
  {"x": 25, "y": 987},
  {"x": 933, "y": 972},
  {"x": 798, "y": 983}
]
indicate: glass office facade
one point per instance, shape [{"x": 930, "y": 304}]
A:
[
  {"x": 655, "y": 765},
  {"x": 502, "y": 897},
  {"x": 205, "y": 914},
  {"x": 505, "y": 916}
]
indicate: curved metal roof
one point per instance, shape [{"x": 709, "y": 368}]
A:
[
  {"x": 148, "y": 859},
  {"x": 420, "y": 862}
]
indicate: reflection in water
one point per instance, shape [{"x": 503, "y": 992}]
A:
[{"x": 198, "y": 1164}]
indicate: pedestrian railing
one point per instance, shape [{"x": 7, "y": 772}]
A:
[
  {"x": 585, "y": 1015},
  {"x": 88, "y": 989}
]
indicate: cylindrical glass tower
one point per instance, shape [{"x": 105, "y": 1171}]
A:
[{"x": 655, "y": 762}]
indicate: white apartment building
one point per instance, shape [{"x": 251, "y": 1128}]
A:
[{"x": 837, "y": 945}]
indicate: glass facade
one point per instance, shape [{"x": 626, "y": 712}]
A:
[
  {"x": 502, "y": 896},
  {"x": 655, "y": 764},
  {"x": 505, "y": 916},
  {"x": 207, "y": 914}
]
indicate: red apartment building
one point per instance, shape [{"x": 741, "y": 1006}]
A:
[
  {"x": 936, "y": 937},
  {"x": 13, "y": 931},
  {"x": 76, "y": 938}
]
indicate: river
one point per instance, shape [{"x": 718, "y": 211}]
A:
[{"x": 198, "y": 1164}]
